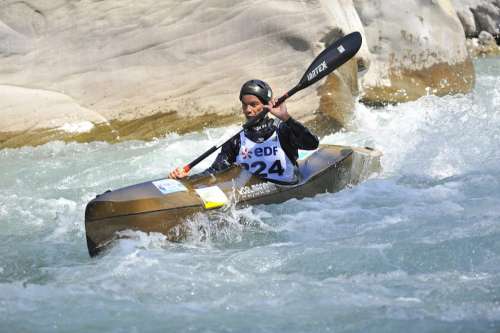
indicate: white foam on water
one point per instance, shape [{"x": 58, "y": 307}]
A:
[{"x": 416, "y": 244}]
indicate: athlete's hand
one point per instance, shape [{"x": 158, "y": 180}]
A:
[
  {"x": 178, "y": 173},
  {"x": 280, "y": 112}
]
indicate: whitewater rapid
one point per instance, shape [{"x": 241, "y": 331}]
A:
[{"x": 415, "y": 248}]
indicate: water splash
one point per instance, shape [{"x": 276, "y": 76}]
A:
[{"x": 415, "y": 248}]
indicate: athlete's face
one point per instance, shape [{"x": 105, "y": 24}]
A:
[{"x": 251, "y": 106}]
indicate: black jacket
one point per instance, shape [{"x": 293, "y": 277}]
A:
[{"x": 292, "y": 135}]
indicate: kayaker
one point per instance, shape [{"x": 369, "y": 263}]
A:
[{"x": 269, "y": 149}]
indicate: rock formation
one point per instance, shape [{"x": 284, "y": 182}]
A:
[
  {"x": 479, "y": 15},
  {"x": 418, "y": 48},
  {"x": 481, "y": 22},
  {"x": 94, "y": 70}
]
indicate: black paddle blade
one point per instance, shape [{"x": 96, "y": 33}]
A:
[{"x": 331, "y": 58}]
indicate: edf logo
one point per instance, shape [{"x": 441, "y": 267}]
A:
[
  {"x": 266, "y": 151},
  {"x": 246, "y": 153},
  {"x": 259, "y": 152}
]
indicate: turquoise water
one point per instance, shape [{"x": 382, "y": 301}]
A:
[{"x": 415, "y": 248}]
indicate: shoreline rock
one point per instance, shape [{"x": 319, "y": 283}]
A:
[
  {"x": 413, "y": 56},
  {"x": 147, "y": 128},
  {"x": 439, "y": 80},
  {"x": 483, "y": 46},
  {"x": 142, "y": 70},
  {"x": 140, "y": 61}
]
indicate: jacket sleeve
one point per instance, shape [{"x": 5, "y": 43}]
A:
[
  {"x": 298, "y": 136},
  {"x": 224, "y": 159}
]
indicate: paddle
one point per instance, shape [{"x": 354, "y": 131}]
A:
[{"x": 330, "y": 59}]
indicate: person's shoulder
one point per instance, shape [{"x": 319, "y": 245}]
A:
[
  {"x": 283, "y": 129},
  {"x": 278, "y": 123},
  {"x": 285, "y": 125}
]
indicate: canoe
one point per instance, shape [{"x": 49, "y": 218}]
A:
[{"x": 163, "y": 205}]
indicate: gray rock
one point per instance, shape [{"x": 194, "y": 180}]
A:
[
  {"x": 485, "y": 13},
  {"x": 487, "y": 16},
  {"x": 137, "y": 59},
  {"x": 468, "y": 21},
  {"x": 103, "y": 62},
  {"x": 486, "y": 39},
  {"x": 417, "y": 47}
]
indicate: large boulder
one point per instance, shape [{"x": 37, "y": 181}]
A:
[
  {"x": 169, "y": 60},
  {"x": 479, "y": 15},
  {"x": 418, "y": 47},
  {"x": 98, "y": 70}
]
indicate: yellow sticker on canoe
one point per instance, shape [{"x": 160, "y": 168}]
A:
[{"x": 213, "y": 197}]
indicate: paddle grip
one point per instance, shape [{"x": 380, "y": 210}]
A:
[
  {"x": 287, "y": 95},
  {"x": 280, "y": 100}
]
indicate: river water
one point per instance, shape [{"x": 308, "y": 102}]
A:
[{"x": 415, "y": 248}]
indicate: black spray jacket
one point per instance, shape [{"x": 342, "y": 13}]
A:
[{"x": 292, "y": 135}]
